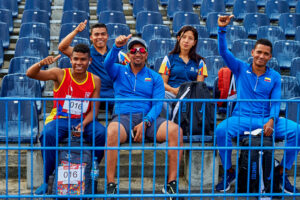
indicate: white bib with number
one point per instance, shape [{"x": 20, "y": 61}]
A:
[
  {"x": 72, "y": 175},
  {"x": 75, "y": 106}
]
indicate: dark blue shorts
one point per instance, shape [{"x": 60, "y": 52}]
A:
[{"x": 135, "y": 120}]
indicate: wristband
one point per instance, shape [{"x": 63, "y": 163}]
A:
[{"x": 147, "y": 122}]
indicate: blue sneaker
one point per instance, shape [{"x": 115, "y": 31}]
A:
[
  {"x": 288, "y": 187},
  {"x": 230, "y": 179},
  {"x": 42, "y": 189}
]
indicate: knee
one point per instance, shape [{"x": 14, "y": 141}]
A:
[
  {"x": 220, "y": 131},
  {"x": 174, "y": 133},
  {"x": 112, "y": 134}
]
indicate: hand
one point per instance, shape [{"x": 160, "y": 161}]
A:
[
  {"x": 175, "y": 90},
  {"x": 269, "y": 128},
  {"x": 138, "y": 129},
  {"x": 78, "y": 127},
  {"x": 81, "y": 26},
  {"x": 224, "y": 20},
  {"x": 122, "y": 40},
  {"x": 49, "y": 60}
]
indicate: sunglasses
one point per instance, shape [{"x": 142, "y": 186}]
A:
[{"x": 142, "y": 50}]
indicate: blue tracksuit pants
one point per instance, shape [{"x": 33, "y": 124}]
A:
[
  {"x": 48, "y": 139},
  {"x": 283, "y": 129}
]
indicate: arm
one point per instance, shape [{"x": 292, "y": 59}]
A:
[
  {"x": 64, "y": 45},
  {"x": 202, "y": 71},
  {"x": 90, "y": 115},
  {"x": 167, "y": 86},
  {"x": 164, "y": 70}
]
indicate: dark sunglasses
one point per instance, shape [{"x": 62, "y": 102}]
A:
[{"x": 142, "y": 50}]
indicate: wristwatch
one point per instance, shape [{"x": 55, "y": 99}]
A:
[{"x": 147, "y": 122}]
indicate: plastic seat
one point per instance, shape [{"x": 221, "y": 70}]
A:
[
  {"x": 254, "y": 20},
  {"x": 64, "y": 62},
  {"x": 39, "y": 30},
  {"x": 114, "y": 30},
  {"x": 298, "y": 7},
  {"x": 6, "y": 17},
  {"x": 179, "y": 6},
  {"x": 212, "y": 23},
  {"x": 242, "y": 7},
  {"x": 154, "y": 31},
  {"x": 235, "y": 33},
  {"x": 207, "y": 47},
  {"x": 34, "y": 47},
  {"x": 163, "y": 2},
  {"x": 261, "y": 3},
  {"x": 158, "y": 63},
  {"x": 75, "y": 41},
  {"x": 21, "y": 64},
  {"x": 69, "y": 27},
  {"x": 19, "y": 85},
  {"x": 214, "y": 63},
  {"x": 273, "y": 63},
  {"x": 11, "y": 5},
  {"x": 147, "y": 17},
  {"x": 297, "y": 36},
  {"x": 285, "y": 51},
  {"x": 289, "y": 89},
  {"x": 295, "y": 68},
  {"x": 1, "y": 54},
  {"x": 209, "y": 6},
  {"x": 202, "y": 30},
  {"x": 36, "y": 16},
  {"x": 197, "y": 2},
  {"x": 38, "y": 5},
  {"x": 75, "y": 17},
  {"x": 4, "y": 34},
  {"x": 106, "y": 17},
  {"x": 182, "y": 18},
  {"x": 144, "y": 5},
  {"x": 288, "y": 23},
  {"x": 242, "y": 48},
  {"x": 272, "y": 33},
  {"x": 159, "y": 48},
  {"x": 108, "y": 5},
  {"x": 18, "y": 121},
  {"x": 274, "y": 8},
  {"x": 229, "y": 2},
  {"x": 77, "y": 5},
  {"x": 293, "y": 110}
]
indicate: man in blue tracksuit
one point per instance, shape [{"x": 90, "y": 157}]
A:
[
  {"x": 138, "y": 118},
  {"x": 254, "y": 81}
]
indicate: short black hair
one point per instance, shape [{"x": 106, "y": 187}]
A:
[
  {"x": 82, "y": 48},
  {"x": 98, "y": 25},
  {"x": 265, "y": 42}
]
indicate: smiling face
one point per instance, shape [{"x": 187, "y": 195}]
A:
[
  {"x": 80, "y": 62},
  {"x": 138, "y": 59},
  {"x": 186, "y": 41},
  {"x": 261, "y": 55},
  {"x": 99, "y": 37}
]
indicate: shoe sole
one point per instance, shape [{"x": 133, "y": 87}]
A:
[
  {"x": 286, "y": 191},
  {"x": 228, "y": 188}
]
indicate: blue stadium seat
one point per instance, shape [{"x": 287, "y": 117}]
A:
[
  {"x": 293, "y": 110},
  {"x": 21, "y": 64},
  {"x": 229, "y": 2},
  {"x": 75, "y": 17},
  {"x": 289, "y": 22},
  {"x": 19, "y": 85},
  {"x": 242, "y": 7},
  {"x": 179, "y": 6},
  {"x": 197, "y": 2},
  {"x": 297, "y": 36},
  {"x": 272, "y": 33},
  {"x": 157, "y": 63},
  {"x": 153, "y": 31},
  {"x": 38, "y": 5},
  {"x": 36, "y": 16},
  {"x": 4, "y": 34},
  {"x": 144, "y": 5},
  {"x": 212, "y": 22},
  {"x": 254, "y": 20},
  {"x": 106, "y": 17},
  {"x": 202, "y": 30},
  {"x": 289, "y": 89},
  {"x": 6, "y": 17},
  {"x": 183, "y": 18},
  {"x": 292, "y": 3},
  {"x": 110, "y": 43},
  {"x": 11, "y": 5},
  {"x": 147, "y": 17},
  {"x": 261, "y": 3},
  {"x": 163, "y": 2},
  {"x": 213, "y": 63},
  {"x": 285, "y": 51},
  {"x": 35, "y": 47},
  {"x": 108, "y": 5},
  {"x": 69, "y": 27},
  {"x": 295, "y": 68},
  {"x": 207, "y": 47},
  {"x": 18, "y": 121},
  {"x": 80, "y": 40},
  {"x": 77, "y": 5},
  {"x": 273, "y": 63},
  {"x": 275, "y": 8},
  {"x": 39, "y": 30},
  {"x": 298, "y": 7},
  {"x": 114, "y": 30},
  {"x": 235, "y": 33},
  {"x": 64, "y": 62},
  {"x": 1, "y": 54},
  {"x": 159, "y": 48},
  {"x": 242, "y": 48},
  {"x": 211, "y": 6}
]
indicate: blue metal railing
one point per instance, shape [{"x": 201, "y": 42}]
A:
[{"x": 14, "y": 140}]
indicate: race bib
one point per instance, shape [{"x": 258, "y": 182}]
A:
[
  {"x": 75, "y": 106},
  {"x": 72, "y": 175}
]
